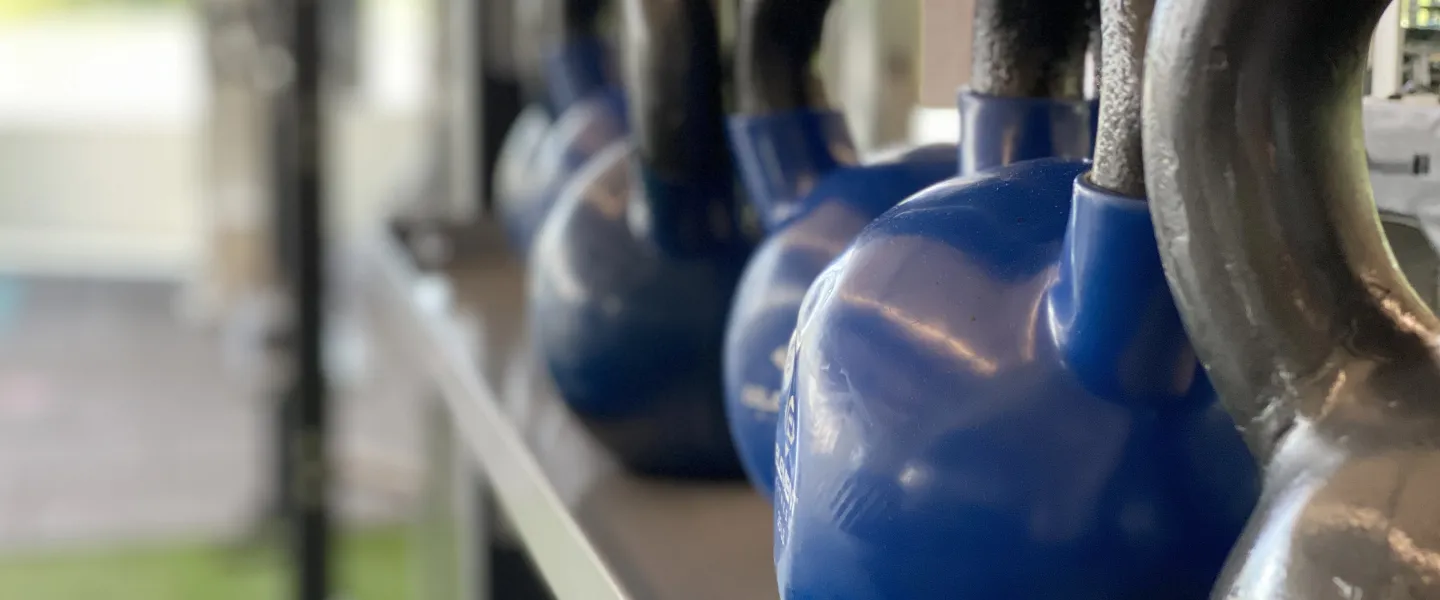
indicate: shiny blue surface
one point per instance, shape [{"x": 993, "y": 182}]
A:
[
  {"x": 585, "y": 128},
  {"x": 798, "y": 168},
  {"x": 990, "y": 396},
  {"x": 782, "y": 157},
  {"x": 631, "y": 280}
]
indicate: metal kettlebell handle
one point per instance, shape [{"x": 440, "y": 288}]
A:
[
  {"x": 1022, "y": 48},
  {"x": 1257, "y": 174},
  {"x": 777, "y": 43},
  {"x": 1319, "y": 348},
  {"x": 1119, "y": 165},
  {"x": 1030, "y": 48},
  {"x": 673, "y": 77},
  {"x": 581, "y": 17}
]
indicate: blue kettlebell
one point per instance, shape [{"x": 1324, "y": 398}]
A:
[
  {"x": 990, "y": 394},
  {"x": 539, "y": 156},
  {"x": 1320, "y": 349},
  {"x": 799, "y": 167},
  {"x": 632, "y": 274}
]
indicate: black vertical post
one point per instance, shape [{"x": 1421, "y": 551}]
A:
[
  {"x": 274, "y": 23},
  {"x": 500, "y": 97},
  {"x": 309, "y": 518}
]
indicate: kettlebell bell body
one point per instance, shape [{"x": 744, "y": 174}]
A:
[
  {"x": 799, "y": 166},
  {"x": 808, "y": 232},
  {"x": 630, "y": 326},
  {"x": 632, "y": 273},
  {"x": 972, "y": 408},
  {"x": 540, "y": 155},
  {"x": 519, "y": 151},
  {"x": 990, "y": 393}
]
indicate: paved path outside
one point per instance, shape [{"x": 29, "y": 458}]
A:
[{"x": 118, "y": 422}]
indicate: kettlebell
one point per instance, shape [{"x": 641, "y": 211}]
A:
[
  {"x": 1320, "y": 350},
  {"x": 990, "y": 393},
  {"x": 800, "y": 169},
  {"x": 633, "y": 272},
  {"x": 582, "y": 114}
]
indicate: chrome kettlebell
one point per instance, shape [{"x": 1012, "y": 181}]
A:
[{"x": 1320, "y": 350}]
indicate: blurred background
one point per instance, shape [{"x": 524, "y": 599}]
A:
[
  {"x": 137, "y": 279},
  {"x": 136, "y": 398},
  {"x": 138, "y": 291}
]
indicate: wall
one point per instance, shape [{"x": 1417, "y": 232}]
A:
[
  {"x": 103, "y": 149},
  {"x": 97, "y": 154}
]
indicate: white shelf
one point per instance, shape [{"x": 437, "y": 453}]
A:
[{"x": 593, "y": 531}]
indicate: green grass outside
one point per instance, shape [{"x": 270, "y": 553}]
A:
[{"x": 372, "y": 566}]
